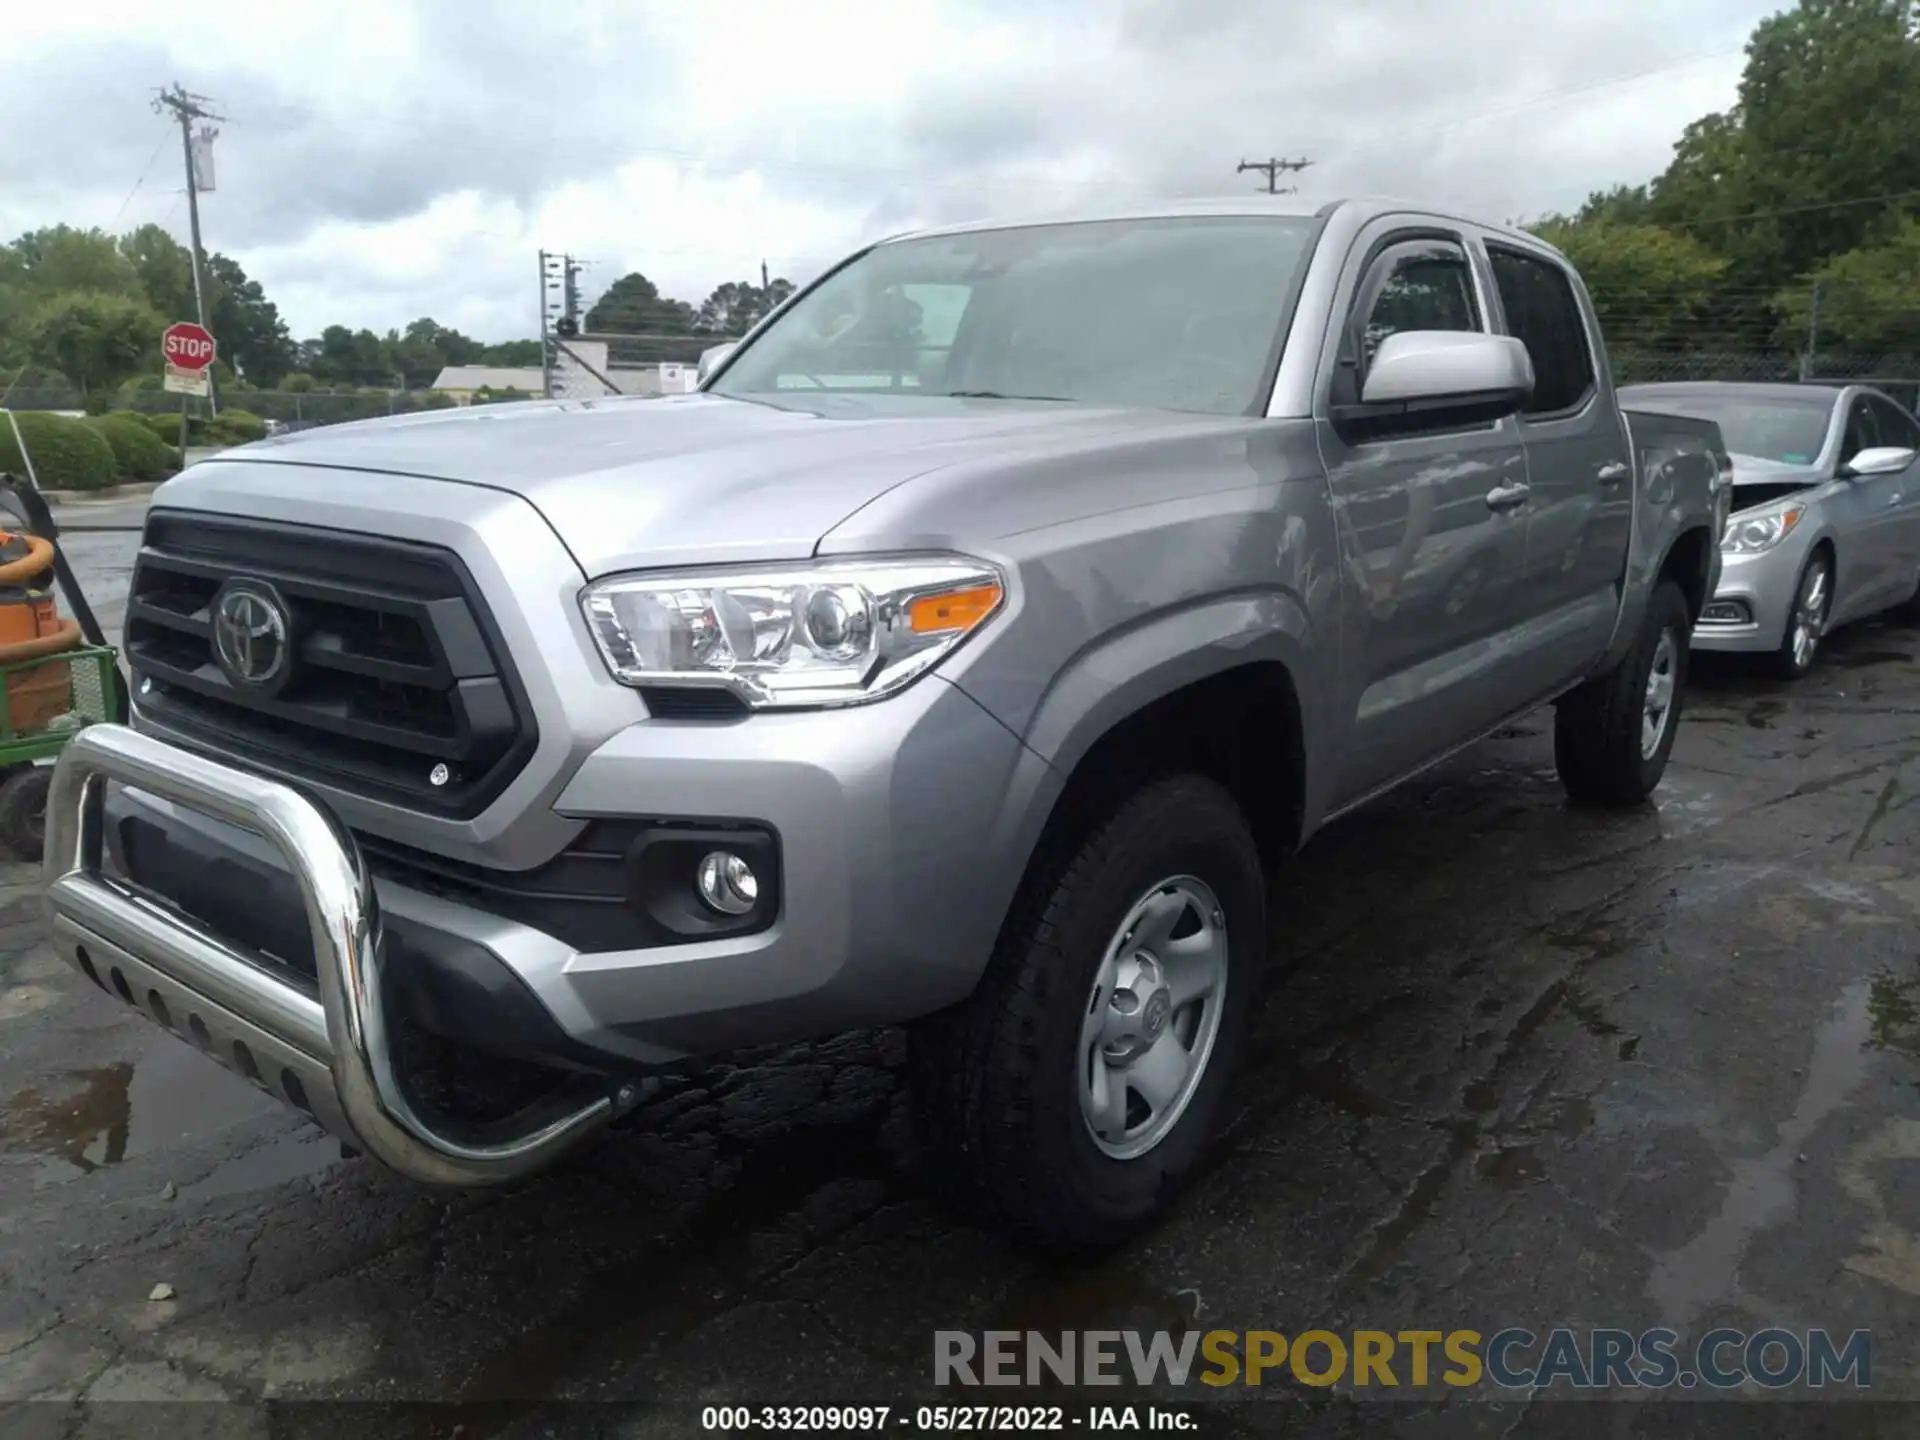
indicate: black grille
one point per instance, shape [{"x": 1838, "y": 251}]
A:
[
  {"x": 397, "y": 665},
  {"x": 698, "y": 703}
]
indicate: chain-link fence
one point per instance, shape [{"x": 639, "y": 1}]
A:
[{"x": 1897, "y": 375}]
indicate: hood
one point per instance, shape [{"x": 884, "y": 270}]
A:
[
  {"x": 1757, "y": 481},
  {"x": 633, "y": 482},
  {"x": 1754, "y": 470}
]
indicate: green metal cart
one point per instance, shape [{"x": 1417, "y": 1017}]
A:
[{"x": 95, "y": 688}]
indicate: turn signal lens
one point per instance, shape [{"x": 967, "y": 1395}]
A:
[{"x": 959, "y": 610}]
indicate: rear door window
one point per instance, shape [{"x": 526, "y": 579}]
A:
[{"x": 1544, "y": 314}]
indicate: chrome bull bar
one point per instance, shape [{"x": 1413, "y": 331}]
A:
[{"x": 325, "y": 1048}]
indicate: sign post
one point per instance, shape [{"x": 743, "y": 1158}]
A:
[{"x": 188, "y": 351}]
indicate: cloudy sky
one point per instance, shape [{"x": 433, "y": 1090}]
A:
[{"x": 387, "y": 160}]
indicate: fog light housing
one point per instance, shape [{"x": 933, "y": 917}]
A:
[
  {"x": 726, "y": 883},
  {"x": 1726, "y": 612}
]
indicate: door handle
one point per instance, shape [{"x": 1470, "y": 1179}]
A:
[
  {"x": 1894, "y": 499},
  {"x": 1508, "y": 497},
  {"x": 1614, "y": 470}
]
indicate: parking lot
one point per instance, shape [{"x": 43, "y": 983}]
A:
[{"x": 1518, "y": 1065}]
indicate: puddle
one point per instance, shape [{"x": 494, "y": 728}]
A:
[
  {"x": 1893, "y": 1014},
  {"x": 97, "y": 1117},
  {"x": 1509, "y": 1166},
  {"x": 1763, "y": 1192}
]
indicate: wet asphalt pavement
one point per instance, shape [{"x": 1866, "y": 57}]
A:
[{"x": 1519, "y": 1065}]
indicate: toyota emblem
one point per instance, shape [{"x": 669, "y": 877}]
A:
[{"x": 251, "y": 634}]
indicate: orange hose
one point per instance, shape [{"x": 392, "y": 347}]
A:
[
  {"x": 37, "y": 560},
  {"x": 67, "y": 637}
]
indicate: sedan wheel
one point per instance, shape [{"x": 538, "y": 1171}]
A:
[{"x": 1807, "y": 621}]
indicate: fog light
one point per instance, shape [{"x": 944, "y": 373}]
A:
[{"x": 726, "y": 883}]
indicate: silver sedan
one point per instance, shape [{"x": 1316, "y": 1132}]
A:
[{"x": 1825, "y": 527}]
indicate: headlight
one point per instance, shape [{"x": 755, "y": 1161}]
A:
[
  {"x": 1750, "y": 534},
  {"x": 834, "y": 633}
]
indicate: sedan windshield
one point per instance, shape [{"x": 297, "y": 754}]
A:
[
  {"x": 1786, "y": 429},
  {"x": 1171, "y": 314}
]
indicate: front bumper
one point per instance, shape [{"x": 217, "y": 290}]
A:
[
  {"x": 324, "y": 1047},
  {"x": 1755, "y": 594}
]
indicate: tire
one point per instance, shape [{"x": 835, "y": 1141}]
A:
[
  {"x": 1794, "y": 658},
  {"x": 1002, "y": 1083},
  {"x": 23, "y": 810},
  {"x": 1601, "y": 730}
]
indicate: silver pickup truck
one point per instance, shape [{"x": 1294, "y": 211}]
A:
[{"x": 964, "y": 654}]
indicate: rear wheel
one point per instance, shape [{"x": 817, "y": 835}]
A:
[
  {"x": 1613, "y": 735},
  {"x": 1073, "y": 1094},
  {"x": 1807, "y": 620}
]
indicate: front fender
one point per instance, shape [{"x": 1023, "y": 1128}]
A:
[{"x": 1128, "y": 669}]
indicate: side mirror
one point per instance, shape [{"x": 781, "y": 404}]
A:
[
  {"x": 710, "y": 360},
  {"x": 1878, "y": 460},
  {"x": 1417, "y": 366},
  {"x": 1420, "y": 379}
]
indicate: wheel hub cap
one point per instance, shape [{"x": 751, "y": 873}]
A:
[
  {"x": 1152, "y": 1017},
  {"x": 1662, "y": 680}
]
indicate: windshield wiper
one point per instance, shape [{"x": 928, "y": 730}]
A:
[{"x": 996, "y": 395}]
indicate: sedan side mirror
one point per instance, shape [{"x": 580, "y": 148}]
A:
[
  {"x": 1878, "y": 460},
  {"x": 710, "y": 360},
  {"x": 1422, "y": 379}
]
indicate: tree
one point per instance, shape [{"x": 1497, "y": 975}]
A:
[
  {"x": 521, "y": 354},
  {"x": 162, "y": 269},
  {"x": 97, "y": 340},
  {"x": 1650, "y": 287},
  {"x": 633, "y": 305},
  {"x": 1827, "y": 123},
  {"x": 1869, "y": 299},
  {"x": 737, "y": 306},
  {"x": 61, "y": 258},
  {"x": 247, "y": 326}
]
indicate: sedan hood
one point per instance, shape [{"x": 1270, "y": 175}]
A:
[
  {"x": 632, "y": 482},
  {"x": 1760, "y": 482}
]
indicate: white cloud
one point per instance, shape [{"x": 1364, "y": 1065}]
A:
[{"x": 398, "y": 158}]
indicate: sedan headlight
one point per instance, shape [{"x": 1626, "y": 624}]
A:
[
  {"x": 1751, "y": 533},
  {"x": 835, "y": 633}
]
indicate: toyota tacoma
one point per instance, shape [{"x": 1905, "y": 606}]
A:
[{"x": 963, "y": 654}]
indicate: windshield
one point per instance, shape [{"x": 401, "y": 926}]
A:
[
  {"x": 1787, "y": 429},
  {"x": 1173, "y": 314}
]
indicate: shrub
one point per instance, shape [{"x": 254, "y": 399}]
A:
[
  {"x": 67, "y": 454},
  {"x": 235, "y": 427},
  {"x": 136, "y": 449},
  {"x": 167, "y": 427}
]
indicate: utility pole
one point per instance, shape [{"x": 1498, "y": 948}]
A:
[
  {"x": 1272, "y": 170},
  {"x": 188, "y": 108},
  {"x": 765, "y": 284},
  {"x": 1807, "y": 361}
]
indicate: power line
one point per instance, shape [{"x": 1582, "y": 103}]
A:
[
  {"x": 144, "y": 169},
  {"x": 1271, "y": 168}
]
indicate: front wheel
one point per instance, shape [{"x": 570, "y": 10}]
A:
[
  {"x": 1072, "y": 1095},
  {"x": 1807, "y": 621},
  {"x": 1612, "y": 736}
]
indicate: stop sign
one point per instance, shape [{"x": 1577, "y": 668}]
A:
[{"x": 187, "y": 346}]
